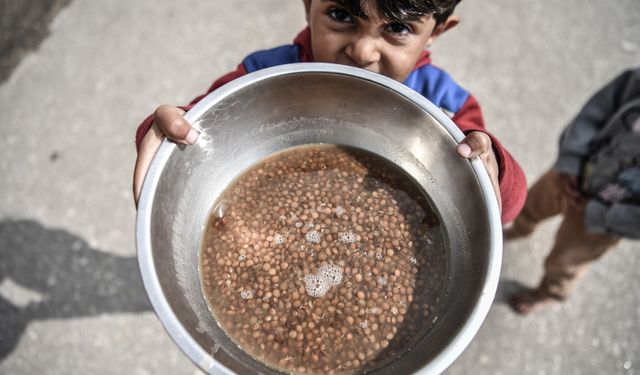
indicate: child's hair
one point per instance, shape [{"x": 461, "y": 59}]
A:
[{"x": 404, "y": 10}]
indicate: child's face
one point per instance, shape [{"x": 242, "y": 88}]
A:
[{"x": 391, "y": 48}]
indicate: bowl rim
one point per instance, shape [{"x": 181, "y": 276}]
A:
[{"x": 163, "y": 310}]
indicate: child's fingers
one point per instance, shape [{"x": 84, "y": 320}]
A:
[
  {"x": 474, "y": 144},
  {"x": 479, "y": 144},
  {"x": 171, "y": 123},
  {"x": 491, "y": 164},
  {"x": 168, "y": 121},
  {"x": 148, "y": 147},
  {"x": 571, "y": 189}
]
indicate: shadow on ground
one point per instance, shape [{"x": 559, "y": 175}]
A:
[
  {"x": 507, "y": 288},
  {"x": 64, "y": 277},
  {"x": 24, "y": 24}
]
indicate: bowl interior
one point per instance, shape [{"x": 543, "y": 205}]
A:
[{"x": 257, "y": 116}]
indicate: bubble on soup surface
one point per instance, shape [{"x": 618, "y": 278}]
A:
[
  {"x": 348, "y": 237},
  {"x": 340, "y": 210},
  {"x": 315, "y": 285},
  {"x": 331, "y": 274},
  {"x": 278, "y": 239},
  {"x": 313, "y": 236},
  {"x": 245, "y": 294}
]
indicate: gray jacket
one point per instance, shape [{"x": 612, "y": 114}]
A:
[{"x": 601, "y": 147}]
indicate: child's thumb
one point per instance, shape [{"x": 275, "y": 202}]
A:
[{"x": 172, "y": 123}]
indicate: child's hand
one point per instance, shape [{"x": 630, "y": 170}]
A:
[
  {"x": 479, "y": 144},
  {"x": 570, "y": 187},
  {"x": 169, "y": 122}
]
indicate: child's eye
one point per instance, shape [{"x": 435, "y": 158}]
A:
[
  {"x": 340, "y": 15},
  {"x": 397, "y": 28}
]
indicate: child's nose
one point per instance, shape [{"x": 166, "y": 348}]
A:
[{"x": 363, "y": 51}]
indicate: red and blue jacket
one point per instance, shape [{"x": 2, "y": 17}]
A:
[{"x": 433, "y": 83}]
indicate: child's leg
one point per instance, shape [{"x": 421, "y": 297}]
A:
[
  {"x": 545, "y": 198},
  {"x": 572, "y": 253},
  {"x": 569, "y": 259}
]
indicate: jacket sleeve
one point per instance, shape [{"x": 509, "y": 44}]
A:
[
  {"x": 577, "y": 137},
  {"x": 144, "y": 127},
  {"x": 619, "y": 219},
  {"x": 513, "y": 185}
]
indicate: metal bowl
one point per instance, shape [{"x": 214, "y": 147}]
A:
[{"x": 277, "y": 108}]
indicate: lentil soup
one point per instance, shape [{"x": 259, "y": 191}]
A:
[{"x": 323, "y": 259}]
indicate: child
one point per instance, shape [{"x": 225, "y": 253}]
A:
[
  {"x": 386, "y": 37},
  {"x": 594, "y": 184}
]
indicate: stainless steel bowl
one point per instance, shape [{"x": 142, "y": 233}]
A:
[{"x": 277, "y": 108}]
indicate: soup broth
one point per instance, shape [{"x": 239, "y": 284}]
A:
[{"x": 323, "y": 259}]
